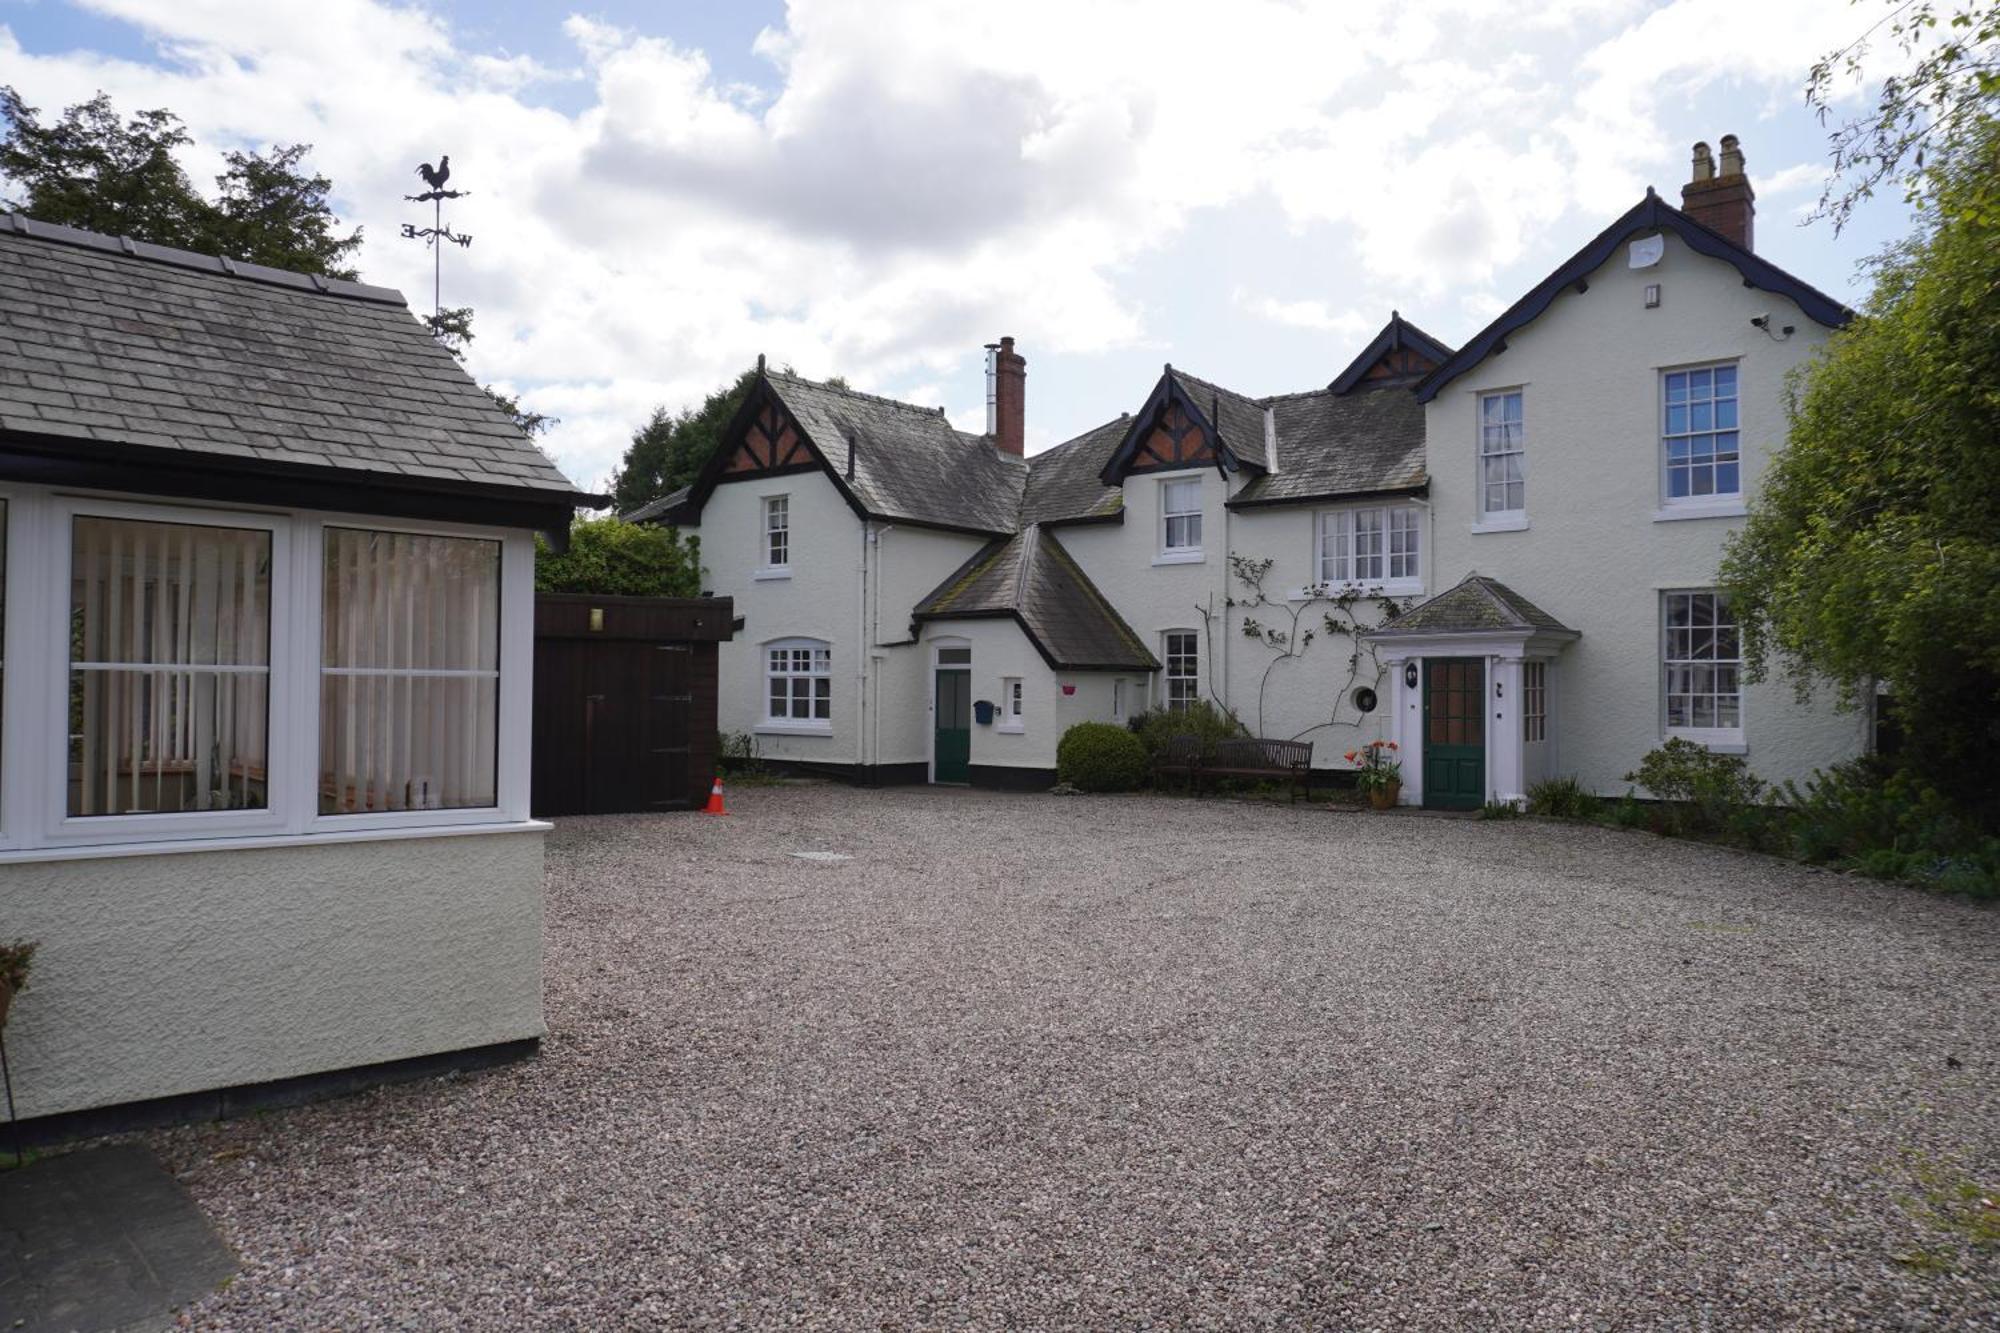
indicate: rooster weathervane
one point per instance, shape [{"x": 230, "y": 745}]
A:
[{"x": 434, "y": 177}]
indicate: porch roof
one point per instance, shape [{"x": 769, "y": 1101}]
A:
[{"x": 1475, "y": 605}]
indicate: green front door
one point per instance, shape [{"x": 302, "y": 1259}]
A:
[
  {"x": 1454, "y": 733},
  {"x": 954, "y": 727}
]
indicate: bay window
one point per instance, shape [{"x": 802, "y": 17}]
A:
[
  {"x": 169, "y": 674},
  {"x": 1382, "y": 546},
  {"x": 409, "y": 672},
  {"x": 174, "y": 672}
]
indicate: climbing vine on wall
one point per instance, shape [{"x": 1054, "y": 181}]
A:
[{"x": 1288, "y": 627}]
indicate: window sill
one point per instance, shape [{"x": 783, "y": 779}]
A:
[
  {"x": 793, "y": 729},
  {"x": 1004, "y": 729},
  {"x": 1715, "y": 742},
  {"x": 243, "y": 842},
  {"x": 1670, "y": 513},
  {"x": 1502, "y": 523},
  {"x": 1179, "y": 558},
  {"x": 767, "y": 575}
]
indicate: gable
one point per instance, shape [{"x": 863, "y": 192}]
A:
[
  {"x": 1399, "y": 363},
  {"x": 770, "y": 443},
  {"x": 1177, "y": 440}
]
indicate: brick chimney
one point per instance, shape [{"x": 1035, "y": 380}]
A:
[
  {"x": 1722, "y": 200},
  {"x": 1008, "y": 391}
]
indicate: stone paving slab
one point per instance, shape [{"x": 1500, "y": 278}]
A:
[{"x": 101, "y": 1239}]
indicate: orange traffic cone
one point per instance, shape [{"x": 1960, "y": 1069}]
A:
[{"x": 714, "y": 806}]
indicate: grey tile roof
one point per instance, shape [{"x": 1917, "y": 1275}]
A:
[
  {"x": 906, "y": 461},
  {"x": 1031, "y": 579},
  {"x": 1476, "y": 603},
  {"x": 109, "y": 342},
  {"x": 669, "y": 508},
  {"x": 1063, "y": 482},
  {"x": 1238, "y": 419},
  {"x": 1370, "y": 440}
]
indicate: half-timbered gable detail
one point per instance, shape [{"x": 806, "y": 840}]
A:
[
  {"x": 1188, "y": 422},
  {"x": 771, "y": 443},
  {"x": 1400, "y": 354}
]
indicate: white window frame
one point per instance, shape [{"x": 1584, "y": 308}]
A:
[
  {"x": 1725, "y": 740},
  {"x": 766, "y": 506},
  {"x": 1013, "y": 706},
  {"x": 34, "y": 820},
  {"x": 1721, "y": 504},
  {"x": 1118, "y": 699},
  {"x": 1187, "y": 553},
  {"x": 1338, "y": 538},
  {"x": 1167, "y": 676},
  {"x": 1506, "y": 518},
  {"x": 793, "y": 726},
  {"x": 1534, "y": 701}
]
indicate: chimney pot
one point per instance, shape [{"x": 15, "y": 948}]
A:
[
  {"x": 1722, "y": 201},
  {"x": 1010, "y": 392}
]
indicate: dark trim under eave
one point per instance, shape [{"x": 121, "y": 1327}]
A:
[
  {"x": 1650, "y": 214},
  {"x": 1329, "y": 497},
  {"x": 136, "y": 470}
]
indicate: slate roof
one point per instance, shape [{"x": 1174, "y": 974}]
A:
[
  {"x": 1063, "y": 482},
  {"x": 109, "y": 342},
  {"x": 672, "y": 507},
  {"x": 1370, "y": 441},
  {"x": 907, "y": 461},
  {"x": 1650, "y": 214},
  {"x": 1237, "y": 418},
  {"x": 1476, "y": 604},
  {"x": 1031, "y": 579}
]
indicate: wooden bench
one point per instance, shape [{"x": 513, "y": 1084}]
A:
[
  {"x": 1181, "y": 755},
  {"x": 1281, "y": 760}
]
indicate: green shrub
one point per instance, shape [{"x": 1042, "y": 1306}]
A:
[
  {"x": 1562, "y": 798},
  {"x": 1705, "y": 792},
  {"x": 1499, "y": 810},
  {"x": 1626, "y": 812},
  {"x": 611, "y": 558},
  {"x": 1101, "y": 756},
  {"x": 1201, "y": 719},
  {"x": 1892, "y": 825}
]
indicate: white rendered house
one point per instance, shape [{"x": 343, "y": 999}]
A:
[
  {"x": 1501, "y": 557},
  {"x": 268, "y": 605}
]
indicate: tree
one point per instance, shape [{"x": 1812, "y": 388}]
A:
[
  {"x": 1940, "y": 98},
  {"x": 613, "y": 558},
  {"x": 91, "y": 170},
  {"x": 1872, "y": 551}
]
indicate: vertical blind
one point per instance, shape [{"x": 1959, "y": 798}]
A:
[
  {"x": 170, "y": 634},
  {"x": 410, "y": 672}
]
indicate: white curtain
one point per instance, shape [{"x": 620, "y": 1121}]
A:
[
  {"x": 410, "y": 672},
  {"x": 170, "y": 630}
]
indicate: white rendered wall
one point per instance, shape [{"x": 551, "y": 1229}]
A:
[
  {"x": 182, "y": 972},
  {"x": 1593, "y": 555}
]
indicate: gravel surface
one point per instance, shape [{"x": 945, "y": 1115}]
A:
[{"x": 1040, "y": 1062}]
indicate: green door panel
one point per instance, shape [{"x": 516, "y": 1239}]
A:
[
  {"x": 1454, "y": 733},
  {"x": 954, "y": 727}
]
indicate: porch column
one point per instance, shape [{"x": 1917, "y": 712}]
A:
[
  {"x": 1405, "y": 725},
  {"x": 1503, "y": 740}
]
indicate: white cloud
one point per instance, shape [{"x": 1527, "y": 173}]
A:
[{"x": 926, "y": 176}]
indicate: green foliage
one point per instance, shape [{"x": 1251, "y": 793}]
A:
[
  {"x": 1867, "y": 816},
  {"x": 91, "y": 170},
  {"x": 669, "y": 451},
  {"x": 1499, "y": 810},
  {"x": 1704, "y": 792},
  {"x": 613, "y": 558},
  {"x": 1101, "y": 756},
  {"x": 1562, "y": 798},
  {"x": 1923, "y": 111},
  {"x": 1627, "y": 812},
  {"x": 1376, "y": 766},
  {"x": 1872, "y": 551},
  {"x": 1201, "y": 719},
  {"x": 17, "y": 959}
]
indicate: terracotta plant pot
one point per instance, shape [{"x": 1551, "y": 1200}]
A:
[{"x": 1385, "y": 798}]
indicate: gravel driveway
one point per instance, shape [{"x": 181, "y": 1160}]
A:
[{"x": 1039, "y": 1062}]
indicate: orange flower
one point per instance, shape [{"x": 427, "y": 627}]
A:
[
  {"x": 1392, "y": 745},
  {"x": 1350, "y": 756}
]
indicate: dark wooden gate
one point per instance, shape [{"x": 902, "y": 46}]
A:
[{"x": 625, "y": 702}]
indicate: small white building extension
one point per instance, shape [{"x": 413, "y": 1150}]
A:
[
  {"x": 267, "y": 608},
  {"x": 1501, "y": 557}
]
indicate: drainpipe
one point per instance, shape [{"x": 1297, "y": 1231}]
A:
[
  {"x": 861, "y": 651},
  {"x": 874, "y": 641}
]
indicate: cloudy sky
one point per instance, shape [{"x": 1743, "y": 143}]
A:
[{"x": 875, "y": 188}]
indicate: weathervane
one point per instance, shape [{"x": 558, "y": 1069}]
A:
[{"x": 435, "y": 177}]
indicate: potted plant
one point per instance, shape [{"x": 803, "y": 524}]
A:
[
  {"x": 1378, "y": 775},
  {"x": 15, "y": 961}
]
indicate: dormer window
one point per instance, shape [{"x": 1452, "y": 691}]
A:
[{"x": 1180, "y": 519}]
